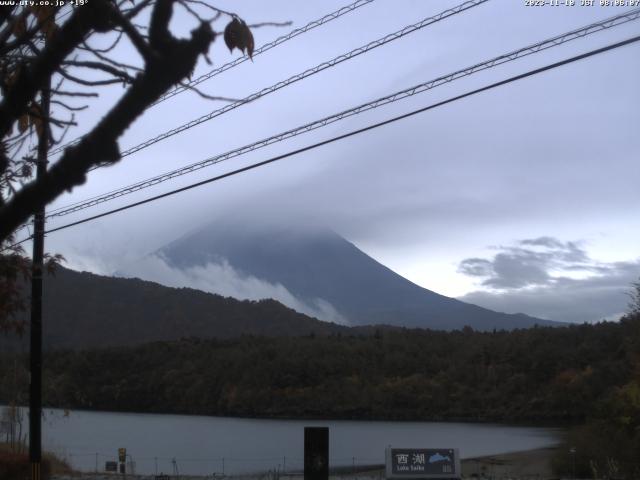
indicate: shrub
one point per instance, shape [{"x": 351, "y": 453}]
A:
[{"x": 15, "y": 466}]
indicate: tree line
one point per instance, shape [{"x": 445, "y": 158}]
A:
[{"x": 552, "y": 374}]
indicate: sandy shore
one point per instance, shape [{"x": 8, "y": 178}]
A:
[{"x": 529, "y": 464}]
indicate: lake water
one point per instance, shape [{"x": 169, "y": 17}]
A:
[{"x": 204, "y": 445}]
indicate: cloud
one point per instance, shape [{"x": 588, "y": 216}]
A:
[
  {"x": 530, "y": 263},
  {"x": 221, "y": 278},
  {"x": 551, "y": 279}
]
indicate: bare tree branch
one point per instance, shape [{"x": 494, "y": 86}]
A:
[
  {"x": 136, "y": 39},
  {"x": 75, "y": 94},
  {"x": 33, "y": 78},
  {"x": 206, "y": 96},
  {"x": 108, "y": 60},
  {"x": 69, "y": 107},
  {"x": 134, "y": 11},
  {"x": 89, "y": 83},
  {"x": 171, "y": 63},
  {"x": 124, "y": 76},
  {"x": 104, "y": 50}
]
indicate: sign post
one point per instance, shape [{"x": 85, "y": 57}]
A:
[
  {"x": 316, "y": 453},
  {"x": 423, "y": 463},
  {"x": 122, "y": 458}
]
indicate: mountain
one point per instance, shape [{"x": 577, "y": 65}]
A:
[
  {"x": 318, "y": 267},
  {"x": 83, "y": 310},
  {"x": 306, "y": 267}
]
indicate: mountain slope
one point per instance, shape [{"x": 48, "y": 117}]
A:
[
  {"x": 83, "y": 310},
  {"x": 317, "y": 264}
]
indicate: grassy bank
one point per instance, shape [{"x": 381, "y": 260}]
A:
[{"x": 14, "y": 463}]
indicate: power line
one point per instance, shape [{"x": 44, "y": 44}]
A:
[
  {"x": 267, "y": 46},
  {"x": 312, "y": 71},
  {"x": 420, "y": 88},
  {"x": 305, "y": 74},
  {"x": 355, "y": 132}
]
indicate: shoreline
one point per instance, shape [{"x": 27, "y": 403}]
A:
[
  {"x": 532, "y": 423},
  {"x": 519, "y": 464},
  {"x": 513, "y": 465}
]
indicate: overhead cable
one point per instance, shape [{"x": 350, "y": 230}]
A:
[
  {"x": 353, "y": 133},
  {"x": 402, "y": 94},
  {"x": 267, "y": 46},
  {"x": 305, "y": 74}
]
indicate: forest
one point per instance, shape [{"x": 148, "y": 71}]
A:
[
  {"x": 544, "y": 373},
  {"x": 584, "y": 376}
]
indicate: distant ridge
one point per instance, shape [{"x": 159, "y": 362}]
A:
[{"x": 83, "y": 310}]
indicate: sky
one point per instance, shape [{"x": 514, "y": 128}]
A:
[{"x": 520, "y": 199}]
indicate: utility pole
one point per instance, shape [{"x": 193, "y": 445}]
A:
[
  {"x": 35, "y": 357},
  {"x": 572, "y": 451}
]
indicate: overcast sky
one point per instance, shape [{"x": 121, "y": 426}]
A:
[{"x": 521, "y": 199}]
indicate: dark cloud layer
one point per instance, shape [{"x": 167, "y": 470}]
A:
[
  {"x": 537, "y": 276},
  {"x": 528, "y": 263}
]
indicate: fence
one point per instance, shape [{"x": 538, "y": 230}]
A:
[{"x": 215, "y": 466}]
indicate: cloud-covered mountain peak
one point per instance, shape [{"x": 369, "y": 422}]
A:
[{"x": 311, "y": 269}]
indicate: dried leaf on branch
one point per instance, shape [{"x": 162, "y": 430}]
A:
[{"x": 238, "y": 35}]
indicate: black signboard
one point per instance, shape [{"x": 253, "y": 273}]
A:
[
  {"x": 111, "y": 466},
  {"x": 422, "y": 463}
]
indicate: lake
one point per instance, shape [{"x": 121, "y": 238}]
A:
[{"x": 204, "y": 445}]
